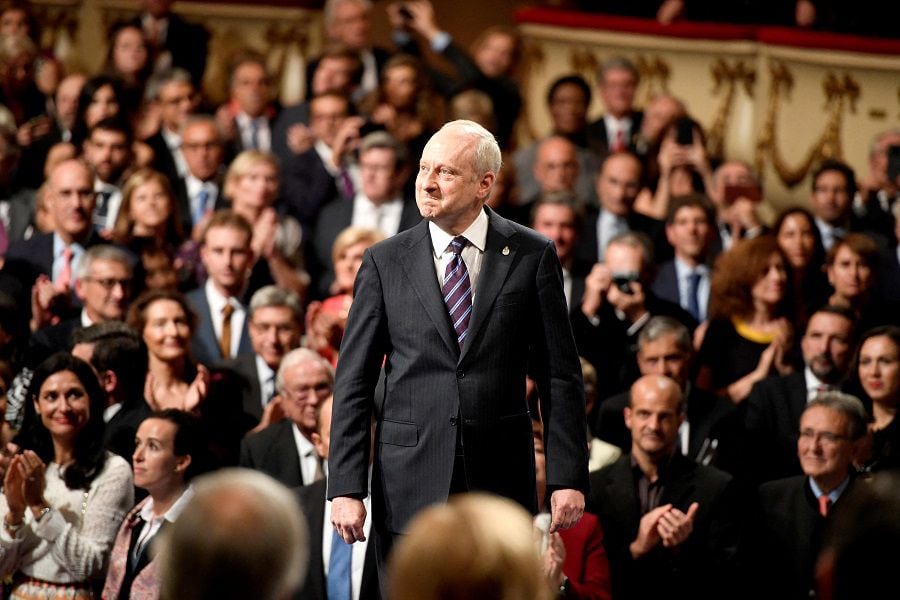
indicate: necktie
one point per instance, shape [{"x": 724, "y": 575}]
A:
[
  {"x": 619, "y": 144},
  {"x": 320, "y": 471},
  {"x": 225, "y": 340},
  {"x": 102, "y": 209},
  {"x": 200, "y": 210},
  {"x": 693, "y": 300},
  {"x": 254, "y": 134},
  {"x": 65, "y": 275},
  {"x": 457, "y": 290},
  {"x": 339, "y": 568},
  {"x": 346, "y": 184},
  {"x": 824, "y": 504}
]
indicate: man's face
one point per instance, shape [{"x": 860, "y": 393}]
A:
[
  {"x": 67, "y": 99},
  {"x": 326, "y": 115},
  {"x": 826, "y": 346},
  {"x": 824, "y": 446},
  {"x": 274, "y": 332},
  {"x": 568, "y": 109},
  {"x": 662, "y": 356},
  {"x": 333, "y": 74},
  {"x": 226, "y": 255},
  {"x": 622, "y": 258},
  {"x": 71, "y": 199},
  {"x": 617, "y": 90},
  {"x": 108, "y": 153},
  {"x": 830, "y": 199},
  {"x": 653, "y": 420},
  {"x": 557, "y": 222},
  {"x": 378, "y": 174},
  {"x": 202, "y": 150},
  {"x": 556, "y": 166},
  {"x": 494, "y": 56},
  {"x": 306, "y": 385},
  {"x": 250, "y": 88},
  {"x": 690, "y": 233},
  {"x": 157, "y": 8},
  {"x": 104, "y": 292},
  {"x": 449, "y": 191},
  {"x": 351, "y": 25},
  {"x": 619, "y": 183},
  {"x": 176, "y": 101},
  {"x": 878, "y": 160}
]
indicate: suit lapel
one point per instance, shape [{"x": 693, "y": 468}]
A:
[
  {"x": 499, "y": 253},
  {"x": 419, "y": 265},
  {"x": 796, "y": 398}
]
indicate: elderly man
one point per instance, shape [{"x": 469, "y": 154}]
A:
[
  {"x": 285, "y": 450},
  {"x": 199, "y": 190},
  {"x": 246, "y": 120},
  {"x": 456, "y": 309},
  {"x": 793, "y": 512},
  {"x": 172, "y": 93},
  {"x": 615, "y": 130},
  {"x": 670, "y": 524}
]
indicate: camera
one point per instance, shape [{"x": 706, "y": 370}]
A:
[{"x": 624, "y": 280}]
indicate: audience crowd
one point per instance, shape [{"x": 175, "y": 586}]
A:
[{"x": 176, "y": 278}]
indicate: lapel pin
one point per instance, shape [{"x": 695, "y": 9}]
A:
[{"x": 505, "y": 251}]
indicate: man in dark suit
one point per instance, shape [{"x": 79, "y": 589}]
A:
[
  {"x": 107, "y": 150},
  {"x": 177, "y": 42},
  {"x": 276, "y": 319},
  {"x": 669, "y": 524},
  {"x": 615, "y": 131},
  {"x": 200, "y": 190},
  {"x": 246, "y": 119},
  {"x": 172, "y": 93},
  {"x": 379, "y": 204},
  {"x": 737, "y": 214},
  {"x": 285, "y": 450},
  {"x": 618, "y": 184},
  {"x": 706, "y": 435},
  {"x": 453, "y": 416},
  {"x": 324, "y": 540},
  {"x": 227, "y": 256},
  {"x": 17, "y": 203},
  {"x": 775, "y": 404},
  {"x": 793, "y": 512},
  {"x": 685, "y": 280},
  {"x": 877, "y": 202}
]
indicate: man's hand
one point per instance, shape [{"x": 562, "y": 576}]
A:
[
  {"x": 633, "y": 304},
  {"x": 348, "y": 516},
  {"x": 346, "y": 140},
  {"x": 675, "y": 527},
  {"x": 596, "y": 284},
  {"x": 300, "y": 138},
  {"x": 566, "y": 508},
  {"x": 648, "y": 536}
]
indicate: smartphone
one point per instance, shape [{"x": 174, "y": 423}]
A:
[
  {"x": 684, "y": 132},
  {"x": 750, "y": 192},
  {"x": 624, "y": 280},
  {"x": 893, "y": 169}
]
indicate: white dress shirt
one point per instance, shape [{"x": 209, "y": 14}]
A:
[
  {"x": 217, "y": 303},
  {"x": 57, "y": 268},
  {"x": 173, "y": 142},
  {"x": 193, "y": 187},
  {"x": 608, "y": 227},
  {"x": 813, "y": 383},
  {"x": 306, "y": 452},
  {"x": 384, "y": 218},
  {"x": 683, "y": 272},
  {"x": 614, "y": 126},
  {"x": 472, "y": 254},
  {"x": 358, "y": 551},
  {"x": 112, "y": 204},
  {"x": 263, "y": 133},
  {"x": 266, "y": 377}
]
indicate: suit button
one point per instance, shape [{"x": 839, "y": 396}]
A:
[
  {"x": 460, "y": 375},
  {"x": 453, "y": 421}
]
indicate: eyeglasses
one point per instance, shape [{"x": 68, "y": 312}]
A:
[
  {"x": 827, "y": 438},
  {"x": 110, "y": 283},
  {"x": 192, "y": 146},
  {"x": 300, "y": 391}
]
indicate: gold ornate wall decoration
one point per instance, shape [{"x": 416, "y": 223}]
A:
[
  {"x": 728, "y": 77},
  {"x": 533, "y": 60},
  {"x": 585, "y": 63},
  {"x": 58, "y": 27},
  {"x": 655, "y": 73},
  {"x": 840, "y": 93},
  {"x": 287, "y": 46}
]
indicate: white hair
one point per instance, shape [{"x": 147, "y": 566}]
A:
[{"x": 486, "y": 156}]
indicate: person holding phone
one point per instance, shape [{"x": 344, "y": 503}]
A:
[{"x": 879, "y": 191}]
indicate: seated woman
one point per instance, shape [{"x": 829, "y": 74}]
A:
[
  {"x": 878, "y": 370},
  {"x": 749, "y": 335},
  {"x": 64, "y": 495},
  {"x": 799, "y": 239},
  {"x": 166, "y": 457},
  {"x": 147, "y": 211}
]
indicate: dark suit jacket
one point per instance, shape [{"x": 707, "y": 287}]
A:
[
  {"x": 306, "y": 187},
  {"x": 50, "y": 339},
  {"x": 274, "y": 452},
  {"x": 666, "y": 283},
  {"x": 772, "y": 422},
  {"x": 188, "y": 44},
  {"x": 432, "y": 388},
  {"x": 205, "y": 344},
  {"x": 597, "y": 138},
  {"x": 312, "y": 502},
  {"x": 334, "y": 218},
  {"x": 21, "y": 213},
  {"x": 703, "y": 566},
  {"x": 381, "y": 58},
  {"x": 163, "y": 161},
  {"x": 244, "y": 368},
  {"x": 183, "y": 203},
  {"x": 653, "y": 228},
  {"x": 288, "y": 117}
]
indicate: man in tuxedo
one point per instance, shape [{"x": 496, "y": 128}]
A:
[
  {"x": 199, "y": 191},
  {"x": 670, "y": 525},
  {"x": 172, "y": 93},
  {"x": 453, "y": 416},
  {"x": 227, "y": 256},
  {"x": 107, "y": 150},
  {"x": 276, "y": 318},
  {"x": 616, "y": 129},
  {"x": 379, "y": 204},
  {"x": 557, "y": 217},
  {"x": 793, "y": 512},
  {"x": 177, "y": 43},
  {"x": 775, "y": 404},
  {"x": 618, "y": 184},
  {"x": 358, "y": 575},
  {"x": 285, "y": 450},
  {"x": 685, "y": 280}
]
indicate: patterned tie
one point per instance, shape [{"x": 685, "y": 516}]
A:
[
  {"x": 339, "y": 568},
  {"x": 457, "y": 290},
  {"x": 225, "y": 340},
  {"x": 693, "y": 299}
]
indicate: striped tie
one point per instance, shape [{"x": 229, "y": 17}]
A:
[{"x": 457, "y": 290}]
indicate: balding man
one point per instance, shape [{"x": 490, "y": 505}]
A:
[{"x": 670, "y": 527}]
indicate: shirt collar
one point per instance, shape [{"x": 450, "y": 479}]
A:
[
  {"x": 216, "y": 300},
  {"x": 174, "y": 510},
  {"x": 476, "y": 233},
  {"x": 172, "y": 139},
  {"x": 263, "y": 370},
  {"x": 834, "y": 494},
  {"x": 682, "y": 269}
]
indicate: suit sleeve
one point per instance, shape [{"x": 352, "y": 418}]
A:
[
  {"x": 557, "y": 371},
  {"x": 362, "y": 353}
]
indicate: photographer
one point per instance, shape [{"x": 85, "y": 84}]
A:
[{"x": 617, "y": 303}]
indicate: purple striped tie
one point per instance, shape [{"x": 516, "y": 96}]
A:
[{"x": 457, "y": 290}]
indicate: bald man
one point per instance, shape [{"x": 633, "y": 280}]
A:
[{"x": 670, "y": 524}]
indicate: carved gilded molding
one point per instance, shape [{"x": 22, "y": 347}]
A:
[
  {"x": 655, "y": 73},
  {"x": 727, "y": 77},
  {"x": 841, "y": 93}
]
